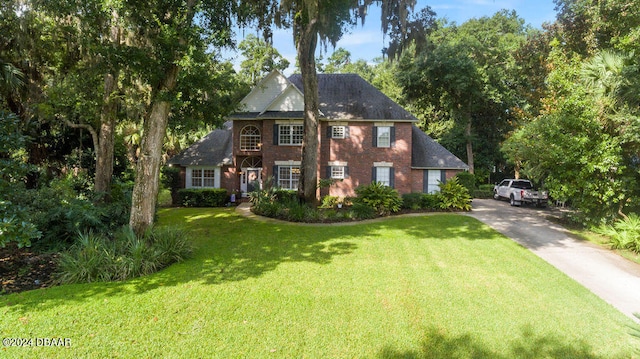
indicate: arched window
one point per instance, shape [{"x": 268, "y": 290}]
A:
[
  {"x": 250, "y": 138},
  {"x": 251, "y": 162}
]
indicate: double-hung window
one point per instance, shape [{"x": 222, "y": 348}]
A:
[
  {"x": 383, "y": 135},
  {"x": 288, "y": 177},
  {"x": 201, "y": 178},
  {"x": 290, "y": 135},
  {"x": 384, "y": 173}
]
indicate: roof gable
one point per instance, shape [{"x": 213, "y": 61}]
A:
[
  {"x": 274, "y": 93},
  {"x": 341, "y": 97},
  {"x": 289, "y": 100}
]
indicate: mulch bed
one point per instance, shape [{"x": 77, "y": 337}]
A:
[{"x": 24, "y": 269}]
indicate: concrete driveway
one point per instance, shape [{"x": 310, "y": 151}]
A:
[{"x": 611, "y": 277}]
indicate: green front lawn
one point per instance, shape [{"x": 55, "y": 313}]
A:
[{"x": 435, "y": 286}]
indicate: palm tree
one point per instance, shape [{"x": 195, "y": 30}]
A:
[{"x": 11, "y": 78}]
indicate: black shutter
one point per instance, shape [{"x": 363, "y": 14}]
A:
[
  {"x": 392, "y": 135},
  {"x": 346, "y": 171},
  {"x": 392, "y": 177},
  {"x": 443, "y": 176},
  {"x": 329, "y": 131},
  {"x": 373, "y": 175},
  {"x": 425, "y": 181},
  {"x": 375, "y": 136},
  {"x": 328, "y": 171},
  {"x": 275, "y": 176},
  {"x": 276, "y": 130}
]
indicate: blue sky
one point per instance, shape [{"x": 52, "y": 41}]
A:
[{"x": 366, "y": 42}]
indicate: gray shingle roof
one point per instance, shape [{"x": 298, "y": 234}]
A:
[
  {"x": 214, "y": 149},
  {"x": 350, "y": 97},
  {"x": 427, "y": 153}
]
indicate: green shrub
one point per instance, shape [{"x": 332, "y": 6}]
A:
[
  {"x": 486, "y": 187},
  {"x": 412, "y": 201},
  {"x": 430, "y": 201},
  {"x": 478, "y": 193},
  {"x": 206, "y": 197},
  {"x": 14, "y": 226},
  {"x": 329, "y": 201},
  {"x": 170, "y": 179},
  {"x": 362, "y": 211},
  {"x": 97, "y": 257},
  {"x": 382, "y": 199},
  {"x": 454, "y": 196},
  {"x": 467, "y": 180},
  {"x": 624, "y": 233}
]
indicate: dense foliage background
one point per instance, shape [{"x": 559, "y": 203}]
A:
[{"x": 559, "y": 105}]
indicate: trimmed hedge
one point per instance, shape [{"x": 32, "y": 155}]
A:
[{"x": 206, "y": 197}]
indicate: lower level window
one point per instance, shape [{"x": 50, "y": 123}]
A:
[
  {"x": 288, "y": 177},
  {"x": 434, "y": 177},
  {"x": 337, "y": 172},
  {"x": 383, "y": 175},
  {"x": 202, "y": 178}
]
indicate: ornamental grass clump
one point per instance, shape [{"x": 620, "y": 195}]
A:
[{"x": 99, "y": 258}]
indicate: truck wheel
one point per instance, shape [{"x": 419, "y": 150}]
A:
[
  {"x": 495, "y": 195},
  {"x": 512, "y": 201}
]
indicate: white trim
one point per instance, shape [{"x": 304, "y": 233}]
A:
[
  {"x": 189, "y": 176},
  {"x": 288, "y": 163},
  {"x": 337, "y": 163},
  {"x": 341, "y": 172},
  {"x": 383, "y": 124},
  {"x": 289, "y": 122},
  {"x": 383, "y": 164}
]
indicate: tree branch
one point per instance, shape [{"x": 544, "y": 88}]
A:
[{"x": 92, "y": 131}]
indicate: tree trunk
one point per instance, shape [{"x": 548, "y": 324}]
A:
[
  {"x": 306, "y": 48},
  {"x": 105, "y": 147},
  {"x": 467, "y": 135},
  {"x": 145, "y": 190}
]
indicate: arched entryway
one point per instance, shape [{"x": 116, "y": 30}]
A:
[{"x": 251, "y": 175}]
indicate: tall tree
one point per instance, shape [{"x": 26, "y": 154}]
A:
[
  {"x": 260, "y": 59},
  {"x": 467, "y": 75},
  {"x": 170, "y": 34},
  {"x": 315, "y": 21}
]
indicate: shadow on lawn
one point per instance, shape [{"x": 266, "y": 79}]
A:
[
  {"x": 227, "y": 248},
  {"x": 234, "y": 248},
  {"x": 528, "y": 345}
]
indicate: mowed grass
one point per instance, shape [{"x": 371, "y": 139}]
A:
[{"x": 439, "y": 286}]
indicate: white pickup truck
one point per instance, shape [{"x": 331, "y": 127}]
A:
[{"x": 519, "y": 191}]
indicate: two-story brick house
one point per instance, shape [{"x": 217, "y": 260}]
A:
[{"x": 364, "y": 136}]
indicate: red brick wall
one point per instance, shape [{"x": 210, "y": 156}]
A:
[
  {"x": 358, "y": 151},
  {"x": 417, "y": 183},
  {"x": 229, "y": 179}
]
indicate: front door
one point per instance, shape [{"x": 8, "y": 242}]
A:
[{"x": 251, "y": 180}]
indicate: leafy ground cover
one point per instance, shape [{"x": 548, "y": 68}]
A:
[{"x": 406, "y": 287}]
